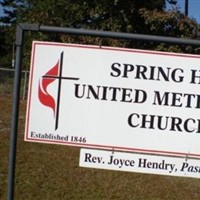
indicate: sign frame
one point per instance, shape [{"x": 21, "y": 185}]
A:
[{"x": 23, "y": 28}]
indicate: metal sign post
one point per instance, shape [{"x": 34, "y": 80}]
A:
[
  {"x": 21, "y": 29},
  {"x": 15, "y": 112}
]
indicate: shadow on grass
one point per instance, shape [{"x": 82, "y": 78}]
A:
[{"x": 49, "y": 172}]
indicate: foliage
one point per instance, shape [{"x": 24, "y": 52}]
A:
[
  {"x": 171, "y": 24},
  {"x": 12, "y": 10},
  {"x": 2, "y": 41},
  {"x": 132, "y": 16},
  {"x": 6, "y": 44}
]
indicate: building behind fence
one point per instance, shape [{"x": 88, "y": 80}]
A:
[{"x": 7, "y": 82}]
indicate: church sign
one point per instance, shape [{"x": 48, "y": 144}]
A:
[{"x": 114, "y": 98}]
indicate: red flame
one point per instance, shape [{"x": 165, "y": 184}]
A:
[{"x": 44, "y": 97}]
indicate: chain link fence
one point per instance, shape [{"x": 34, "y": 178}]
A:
[{"x": 7, "y": 82}]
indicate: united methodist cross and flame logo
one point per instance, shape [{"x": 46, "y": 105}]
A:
[{"x": 47, "y": 99}]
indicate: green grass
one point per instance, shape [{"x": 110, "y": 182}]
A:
[{"x": 52, "y": 172}]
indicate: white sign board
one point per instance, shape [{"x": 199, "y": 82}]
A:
[
  {"x": 140, "y": 163},
  {"x": 126, "y": 99}
]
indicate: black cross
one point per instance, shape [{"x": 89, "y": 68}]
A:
[{"x": 60, "y": 78}]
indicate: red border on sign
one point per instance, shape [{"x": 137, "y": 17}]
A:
[{"x": 146, "y": 151}]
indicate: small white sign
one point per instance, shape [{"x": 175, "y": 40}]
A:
[
  {"x": 140, "y": 163},
  {"x": 127, "y": 99}
]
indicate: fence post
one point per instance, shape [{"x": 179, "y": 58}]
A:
[{"x": 25, "y": 82}]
